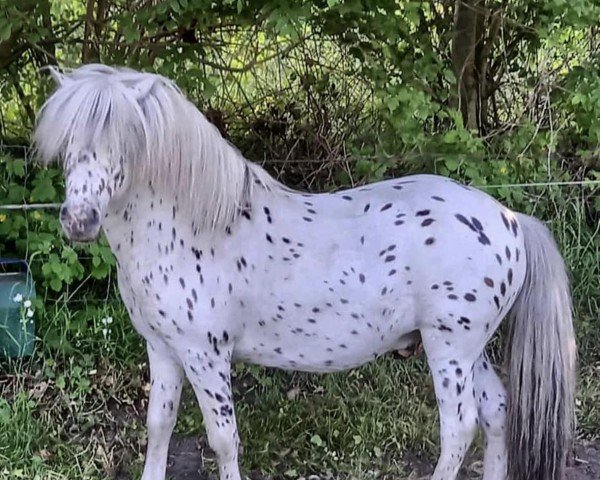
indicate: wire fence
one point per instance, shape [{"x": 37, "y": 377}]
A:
[{"x": 27, "y": 154}]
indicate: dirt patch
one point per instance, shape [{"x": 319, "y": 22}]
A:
[
  {"x": 186, "y": 459},
  {"x": 186, "y": 462},
  {"x": 586, "y": 464}
]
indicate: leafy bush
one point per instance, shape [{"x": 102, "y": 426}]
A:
[{"x": 36, "y": 234}]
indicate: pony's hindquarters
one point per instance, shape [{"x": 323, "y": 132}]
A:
[{"x": 542, "y": 362}]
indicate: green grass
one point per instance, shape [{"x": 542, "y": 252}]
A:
[
  {"x": 292, "y": 425},
  {"x": 62, "y": 410},
  {"x": 31, "y": 446},
  {"x": 313, "y": 423}
]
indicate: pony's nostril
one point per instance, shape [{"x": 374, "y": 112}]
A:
[
  {"x": 63, "y": 212},
  {"x": 95, "y": 215}
]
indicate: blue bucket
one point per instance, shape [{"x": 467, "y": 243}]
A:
[{"x": 17, "y": 327}]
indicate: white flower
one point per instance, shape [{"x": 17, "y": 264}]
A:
[
  {"x": 104, "y": 331},
  {"x": 18, "y": 298},
  {"x": 29, "y": 313},
  {"x": 109, "y": 320},
  {"x": 27, "y": 303}
]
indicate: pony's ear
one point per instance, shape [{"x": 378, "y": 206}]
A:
[
  {"x": 58, "y": 77},
  {"x": 142, "y": 89}
]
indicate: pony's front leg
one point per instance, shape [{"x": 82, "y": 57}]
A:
[
  {"x": 166, "y": 378},
  {"x": 209, "y": 374}
]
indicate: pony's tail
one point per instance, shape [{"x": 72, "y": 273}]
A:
[{"x": 542, "y": 363}]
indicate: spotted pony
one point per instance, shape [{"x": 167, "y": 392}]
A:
[{"x": 219, "y": 263}]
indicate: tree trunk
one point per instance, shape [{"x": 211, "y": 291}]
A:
[
  {"x": 475, "y": 31},
  {"x": 464, "y": 42},
  {"x": 93, "y": 30},
  {"x": 47, "y": 54}
]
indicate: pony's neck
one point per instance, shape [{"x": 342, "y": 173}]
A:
[
  {"x": 207, "y": 174},
  {"x": 146, "y": 215},
  {"x": 143, "y": 221}
]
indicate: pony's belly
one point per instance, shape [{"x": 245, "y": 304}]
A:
[{"x": 332, "y": 344}]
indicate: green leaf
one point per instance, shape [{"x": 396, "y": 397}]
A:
[
  {"x": 43, "y": 190},
  {"x": 56, "y": 284},
  {"x": 451, "y": 164},
  {"x": 393, "y": 103},
  {"x": 130, "y": 31},
  {"x": 577, "y": 99},
  {"x": 5, "y": 411},
  {"x": 61, "y": 382},
  {"x": 107, "y": 255},
  {"x": 5, "y": 30},
  {"x": 451, "y": 137},
  {"x": 209, "y": 89},
  {"x": 16, "y": 167}
]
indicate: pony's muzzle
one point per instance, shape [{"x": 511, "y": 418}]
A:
[{"x": 80, "y": 223}]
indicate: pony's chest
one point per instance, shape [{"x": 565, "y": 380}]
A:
[{"x": 141, "y": 298}]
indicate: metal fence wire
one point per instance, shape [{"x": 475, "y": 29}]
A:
[{"x": 27, "y": 153}]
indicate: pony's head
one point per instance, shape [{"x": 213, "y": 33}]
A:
[
  {"x": 114, "y": 128},
  {"x": 94, "y": 177},
  {"x": 98, "y": 124}
]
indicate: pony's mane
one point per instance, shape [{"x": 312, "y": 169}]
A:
[{"x": 145, "y": 119}]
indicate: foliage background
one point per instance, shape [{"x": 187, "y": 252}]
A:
[{"x": 326, "y": 94}]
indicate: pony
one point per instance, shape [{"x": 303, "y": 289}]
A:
[{"x": 219, "y": 263}]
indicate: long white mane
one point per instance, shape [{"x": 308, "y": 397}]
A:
[{"x": 146, "y": 119}]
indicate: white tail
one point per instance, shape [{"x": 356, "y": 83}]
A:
[{"x": 542, "y": 363}]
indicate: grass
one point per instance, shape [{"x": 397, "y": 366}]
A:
[
  {"x": 357, "y": 425},
  {"x": 339, "y": 421},
  {"x": 76, "y": 409},
  {"x": 64, "y": 411},
  {"x": 31, "y": 443}
]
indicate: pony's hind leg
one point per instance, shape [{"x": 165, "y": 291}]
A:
[
  {"x": 491, "y": 404},
  {"x": 452, "y": 374}
]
